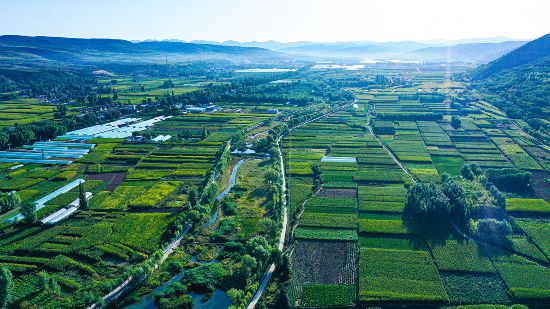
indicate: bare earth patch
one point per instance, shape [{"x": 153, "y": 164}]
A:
[{"x": 114, "y": 179}]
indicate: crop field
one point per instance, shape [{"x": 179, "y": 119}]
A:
[
  {"x": 139, "y": 190},
  {"x": 24, "y": 111},
  {"x": 137, "y": 90},
  {"x": 355, "y": 145},
  {"x": 361, "y": 202}
]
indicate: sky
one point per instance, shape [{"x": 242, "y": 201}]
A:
[{"x": 280, "y": 20}]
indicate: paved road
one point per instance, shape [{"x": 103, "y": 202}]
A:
[
  {"x": 271, "y": 269},
  {"x": 281, "y": 245}
]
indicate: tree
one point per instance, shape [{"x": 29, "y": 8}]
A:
[
  {"x": 6, "y": 286},
  {"x": 317, "y": 180},
  {"x": 194, "y": 217},
  {"x": 460, "y": 209},
  {"x": 82, "y": 200},
  {"x": 426, "y": 204},
  {"x": 259, "y": 248},
  {"x": 204, "y": 134},
  {"x": 193, "y": 197},
  {"x": 285, "y": 268},
  {"x": 456, "y": 122},
  {"x": 54, "y": 288},
  {"x": 271, "y": 177},
  {"x": 183, "y": 301},
  {"x": 210, "y": 193},
  {"x": 60, "y": 111},
  {"x": 466, "y": 172},
  {"x": 28, "y": 211},
  {"x": 168, "y": 84},
  {"x": 9, "y": 201},
  {"x": 248, "y": 264},
  {"x": 495, "y": 231},
  {"x": 3, "y": 140},
  {"x": 236, "y": 295},
  {"x": 509, "y": 179}
]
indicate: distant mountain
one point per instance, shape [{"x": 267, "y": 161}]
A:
[
  {"x": 472, "y": 52},
  {"x": 531, "y": 52},
  {"x": 113, "y": 50},
  {"x": 478, "y": 50},
  {"x": 273, "y": 45},
  {"x": 356, "y": 49},
  {"x": 279, "y": 46},
  {"x": 405, "y": 50},
  {"x": 498, "y": 39}
]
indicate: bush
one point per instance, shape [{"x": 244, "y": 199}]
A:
[{"x": 204, "y": 278}]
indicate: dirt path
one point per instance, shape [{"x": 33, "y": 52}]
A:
[
  {"x": 302, "y": 209},
  {"x": 455, "y": 227},
  {"x": 390, "y": 152}
]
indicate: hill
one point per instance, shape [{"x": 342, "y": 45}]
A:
[
  {"x": 518, "y": 84},
  {"x": 409, "y": 50},
  {"x": 76, "y": 50},
  {"x": 529, "y": 53},
  {"x": 472, "y": 52}
]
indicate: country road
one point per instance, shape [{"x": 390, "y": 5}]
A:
[
  {"x": 281, "y": 245},
  {"x": 271, "y": 269}
]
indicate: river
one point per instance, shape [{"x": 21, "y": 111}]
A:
[{"x": 219, "y": 299}]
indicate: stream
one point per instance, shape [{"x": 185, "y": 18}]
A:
[{"x": 219, "y": 298}]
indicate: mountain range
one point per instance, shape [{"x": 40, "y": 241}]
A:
[
  {"x": 75, "y": 50},
  {"x": 51, "y": 49}
]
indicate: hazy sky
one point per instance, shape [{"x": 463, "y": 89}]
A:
[{"x": 283, "y": 20}]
